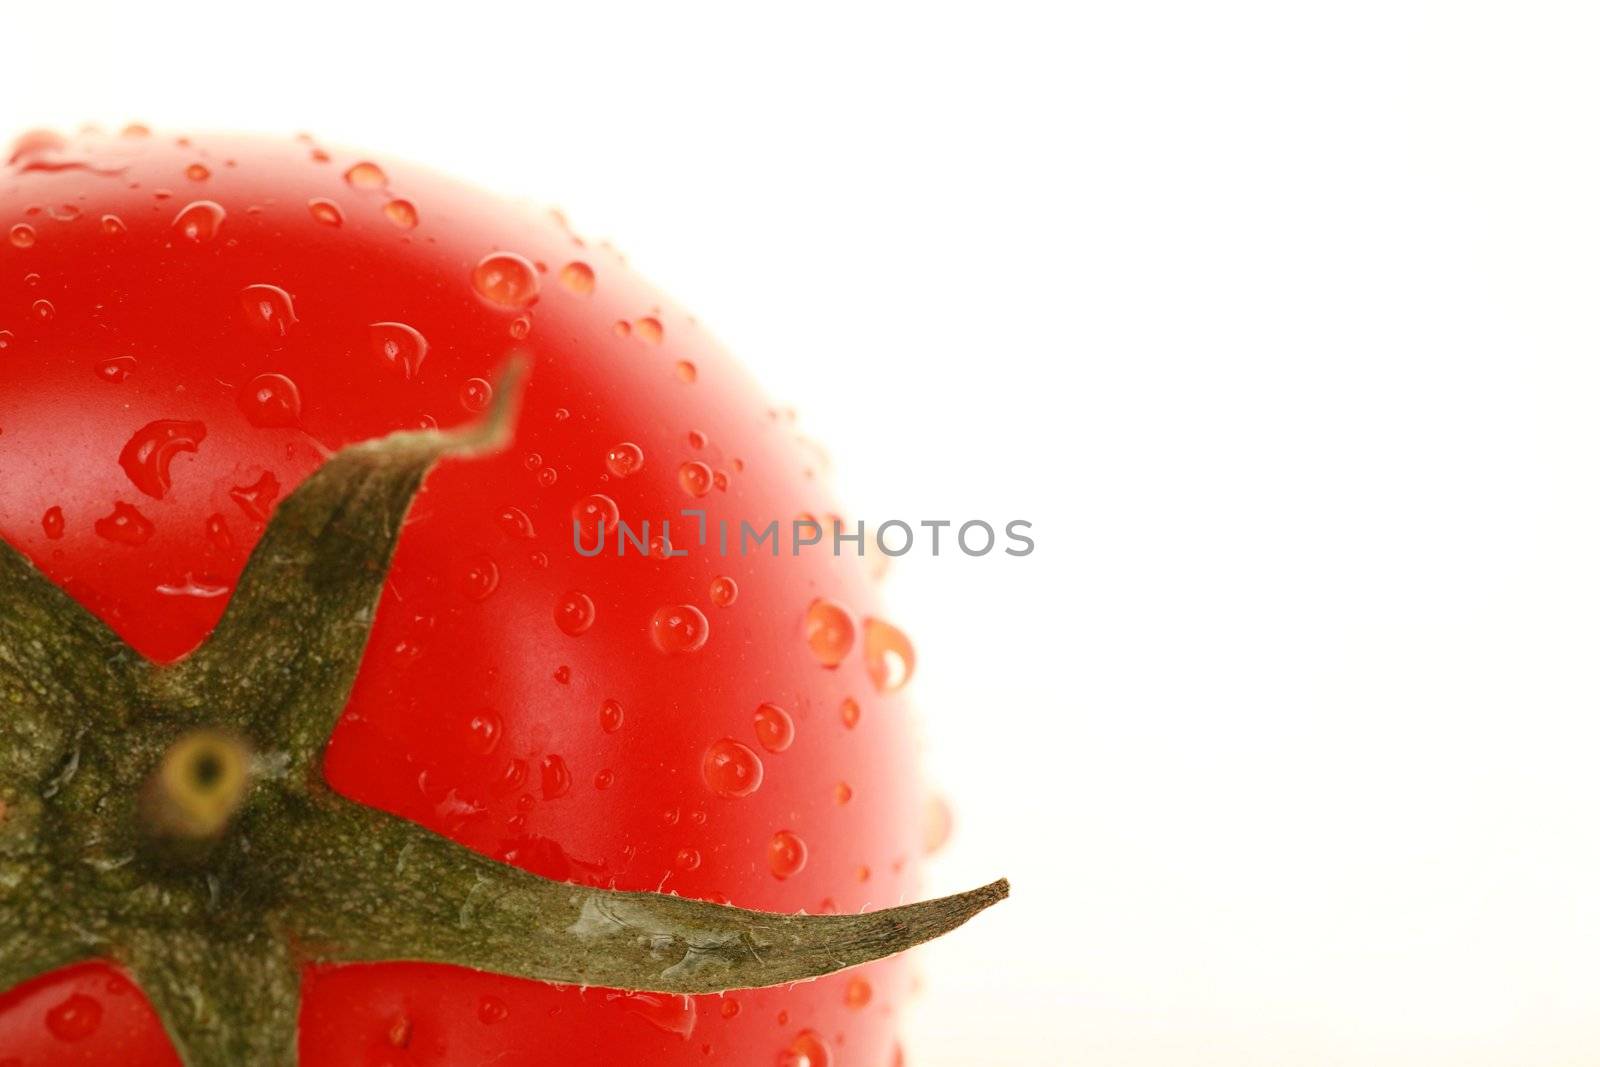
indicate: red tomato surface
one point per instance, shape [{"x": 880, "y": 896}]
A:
[{"x": 134, "y": 275}]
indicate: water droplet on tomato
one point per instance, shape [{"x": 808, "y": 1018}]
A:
[
  {"x": 938, "y": 822},
  {"x": 842, "y": 793},
  {"x": 686, "y": 371},
  {"x": 574, "y": 613},
  {"x": 403, "y": 213},
  {"x": 116, "y": 369},
  {"x": 611, "y": 716},
  {"x": 217, "y": 533},
  {"x": 43, "y": 310},
  {"x": 674, "y": 1014},
  {"x": 679, "y": 628},
  {"x": 506, "y": 279},
  {"x": 197, "y": 172},
  {"x": 687, "y": 859},
  {"x": 577, "y": 278},
  {"x": 267, "y": 309},
  {"x": 555, "y": 779},
  {"x": 492, "y": 1010},
  {"x": 515, "y": 522},
  {"x": 786, "y": 854},
  {"x": 890, "y": 657},
  {"x": 200, "y": 221},
  {"x": 520, "y": 327},
  {"x": 125, "y": 525},
  {"x": 257, "y": 498},
  {"x": 325, "y": 211},
  {"x": 829, "y": 631},
  {"x": 695, "y": 477},
  {"x": 7, "y": 339},
  {"x": 148, "y": 455},
  {"x": 55, "y": 524},
  {"x": 271, "y": 401},
  {"x": 480, "y": 578},
  {"x": 74, "y": 1018},
  {"x": 849, "y": 713},
  {"x": 603, "y": 779},
  {"x": 593, "y": 514},
  {"x": 111, "y": 224},
  {"x": 857, "y": 994},
  {"x": 774, "y": 728},
  {"x": 399, "y": 346},
  {"x": 624, "y": 459},
  {"x": 724, "y": 591},
  {"x": 23, "y": 235},
  {"x": 476, "y": 394},
  {"x": 648, "y": 329},
  {"x": 366, "y": 175},
  {"x": 731, "y": 769}
]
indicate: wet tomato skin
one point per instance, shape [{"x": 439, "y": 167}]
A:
[{"x": 262, "y": 302}]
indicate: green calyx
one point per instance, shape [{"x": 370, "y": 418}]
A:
[{"x": 175, "y": 819}]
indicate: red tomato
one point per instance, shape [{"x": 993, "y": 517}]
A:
[{"x": 191, "y": 325}]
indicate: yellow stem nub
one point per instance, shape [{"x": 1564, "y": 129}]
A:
[{"x": 198, "y": 786}]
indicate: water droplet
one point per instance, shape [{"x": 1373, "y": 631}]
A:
[
  {"x": 43, "y": 310},
  {"x": 112, "y": 224},
  {"x": 515, "y": 523},
  {"x": 724, "y": 591},
  {"x": 786, "y": 854},
  {"x": 7, "y": 339},
  {"x": 217, "y": 533},
  {"x": 55, "y": 524},
  {"x": 23, "y": 235},
  {"x": 74, "y": 1018},
  {"x": 603, "y": 779},
  {"x": 197, "y": 172},
  {"x": 366, "y": 175},
  {"x": 39, "y": 142},
  {"x": 555, "y": 779},
  {"x": 476, "y": 394},
  {"x": 125, "y": 525},
  {"x": 938, "y": 822},
  {"x": 484, "y": 729},
  {"x": 890, "y": 657},
  {"x": 492, "y": 1010},
  {"x": 719, "y": 481},
  {"x": 403, "y": 213},
  {"x": 271, "y": 401},
  {"x": 520, "y": 327},
  {"x": 731, "y": 769},
  {"x": 687, "y": 859},
  {"x": 480, "y": 577},
  {"x": 842, "y": 794},
  {"x": 399, "y": 346},
  {"x": 116, "y": 369},
  {"x": 695, "y": 477},
  {"x": 849, "y": 713},
  {"x": 548, "y": 476},
  {"x": 611, "y": 716},
  {"x": 648, "y": 330},
  {"x": 857, "y": 994},
  {"x": 730, "y": 1007},
  {"x": 774, "y": 728},
  {"x": 829, "y": 631},
  {"x": 325, "y": 211},
  {"x": 200, "y": 221},
  {"x": 268, "y": 309},
  {"x": 257, "y": 498},
  {"x": 679, "y": 628},
  {"x": 577, "y": 278},
  {"x": 148, "y": 455},
  {"x": 592, "y": 513},
  {"x": 506, "y": 279},
  {"x": 686, "y": 371},
  {"x": 624, "y": 459},
  {"x": 674, "y": 1014},
  {"x": 574, "y": 613}
]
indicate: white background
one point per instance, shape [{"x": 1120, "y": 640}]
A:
[{"x": 1280, "y": 323}]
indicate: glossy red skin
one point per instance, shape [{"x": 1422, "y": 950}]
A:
[{"x": 438, "y": 654}]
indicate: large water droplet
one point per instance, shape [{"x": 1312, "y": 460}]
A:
[
  {"x": 366, "y": 176},
  {"x": 591, "y": 513},
  {"x": 674, "y": 1014},
  {"x": 112, "y": 225},
  {"x": 506, "y": 279},
  {"x": 403, "y": 213},
  {"x": 267, "y": 309},
  {"x": 624, "y": 459},
  {"x": 774, "y": 728},
  {"x": 148, "y": 455},
  {"x": 731, "y": 769},
  {"x": 74, "y": 1018},
  {"x": 577, "y": 278},
  {"x": 829, "y": 631},
  {"x": 574, "y": 613},
  {"x": 648, "y": 329},
  {"x": 555, "y": 779},
  {"x": 326, "y": 211},
  {"x": 23, "y": 235},
  {"x": 786, "y": 854},
  {"x": 399, "y": 346},
  {"x": 125, "y": 525},
  {"x": 890, "y": 657},
  {"x": 679, "y": 628},
  {"x": 200, "y": 221},
  {"x": 271, "y": 401}
]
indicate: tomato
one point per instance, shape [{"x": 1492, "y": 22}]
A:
[{"x": 189, "y": 326}]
